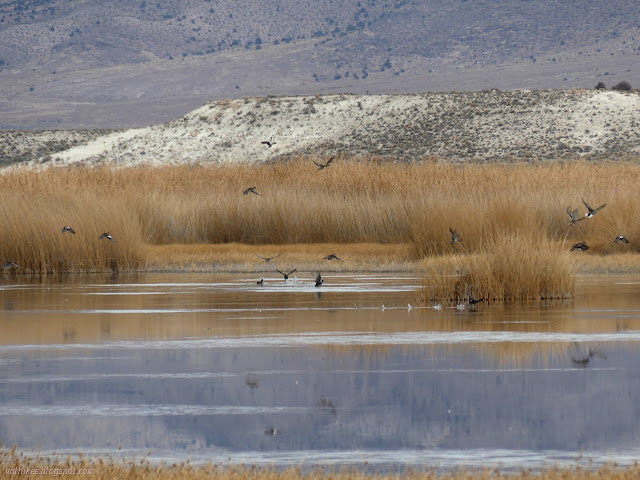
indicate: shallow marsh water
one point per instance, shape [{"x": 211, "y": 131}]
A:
[{"x": 217, "y": 368}]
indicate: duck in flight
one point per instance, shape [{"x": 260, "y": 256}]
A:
[
  {"x": 250, "y": 190},
  {"x": 592, "y": 211},
  {"x": 9, "y": 265},
  {"x": 68, "y": 229},
  {"x": 579, "y": 246},
  {"x": 332, "y": 256},
  {"x": 268, "y": 259},
  {"x": 286, "y": 275},
  {"x": 319, "y": 280},
  {"x": 324, "y": 165},
  {"x": 269, "y": 143},
  {"x": 620, "y": 238},
  {"x": 573, "y": 216},
  {"x": 106, "y": 235},
  {"x": 455, "y": 237}
]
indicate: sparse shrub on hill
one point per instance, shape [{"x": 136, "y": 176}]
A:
[
  {"x": 623, "y": 85},
  {"x": 600, "y": 86}
]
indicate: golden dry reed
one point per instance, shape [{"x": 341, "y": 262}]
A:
[
  {"x": 352, "y": 201},
  {"x": 512, "y": 268},
  {"x": 18, "y": 465}
]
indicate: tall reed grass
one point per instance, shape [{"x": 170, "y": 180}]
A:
[{"x": 352, "y": 201}]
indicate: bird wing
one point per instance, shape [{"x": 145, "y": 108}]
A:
[
  {"x": 317, "y": 163},
  {"x": 265, "y": 142},
  {"x": 588, "y": 207},
  {"x": 294, "y": 270},
  {"x": 260, "y": 257},
  {"x": 318, "y": 277},
  {"x": 600, "y": 207},
  {"x": 329, "y": 161},
  {"x": 281, "y": 273}
]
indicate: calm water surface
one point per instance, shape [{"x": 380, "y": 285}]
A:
[{"x": 216, "y": 368}]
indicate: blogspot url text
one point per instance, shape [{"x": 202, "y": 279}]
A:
[{"x": 50, "y": 471}]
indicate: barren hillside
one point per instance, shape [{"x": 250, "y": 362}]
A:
[
  {"x": 111, "y": 64},
  {"x": 479, "y": 126}
]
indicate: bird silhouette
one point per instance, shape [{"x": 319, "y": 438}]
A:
[
  {"x": 324, "y": 165},
  {"x": 252, "y": 382},
  {"x": 583, "y": 360},
  {"x": 268, "y": 259},
  {"x": 455, "y": 237},
  {"x": 326, "y": 402},
  {"x": 269, "y": 143},
  {"x": 68, "y": 229},
  {"x": 592, "y": 211},
  {"x": 332, "y": 256},
  {"x": 573, "y": 216},
  {"x": 260, "y": 282},
  {"x": 319, "y": 280},
  {"x": 250, "y": 190},
  {"x": 286, "y": 275},
  {"x": 106, "y": 235},
  {"x": 10, "y": 264},
  {"x": 271, "y": 432},
  {"x": 620, "y": 238},
  {"x": 579, "y": 246}
]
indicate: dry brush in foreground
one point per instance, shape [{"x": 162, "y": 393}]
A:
[{"x": 17, "y": 465}]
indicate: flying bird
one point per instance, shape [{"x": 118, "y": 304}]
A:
[
  {"x": 250, "y": 190},
  {"x": 579, "y": 246},
  {"x": 573, "y": 216},
  {"x": 106, "y": 235},
  {"x": 455, "y": 237},
  {"x": 333, "y": 256},
  {"x": 319, "y": 280},
  {"x": 10, "y": 264},
  {"x": 286, "y": 275},
  {"x": 269, "y": 143},
  {"x": 268, "y": 259},
  {"x": 68, "y": 229},
  {"x": 592, "y": 211},
  {"x": 620, "y": 238},
  {"x": 271, "y": 432},
  {"x": 324, "y": 165}
]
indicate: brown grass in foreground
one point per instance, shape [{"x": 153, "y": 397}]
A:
[
  {"x": 18, "y": 465},
  {"x": 352, "y": 201}
]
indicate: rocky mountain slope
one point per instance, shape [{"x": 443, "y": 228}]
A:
[
  {"x": 456, "y": 127},
  {"x": 104, "y": 63}
]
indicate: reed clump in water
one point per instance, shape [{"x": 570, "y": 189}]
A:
[{"x": 512, "y": 268}]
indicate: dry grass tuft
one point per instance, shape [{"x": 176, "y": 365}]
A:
[{"x": 513, "y": 268}]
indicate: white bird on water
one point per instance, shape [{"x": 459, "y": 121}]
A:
[
  {"x": 437, "y": 306},
  {"x": 409, "y": 307}
]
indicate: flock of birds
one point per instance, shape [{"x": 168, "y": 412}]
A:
[
  {"x": 574, "y": 218},
  {"x": 332, "y": 256},
  {"x": 10, "y": 265}
]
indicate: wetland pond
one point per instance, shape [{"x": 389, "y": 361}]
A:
[{"x": 215, "y": 368}]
